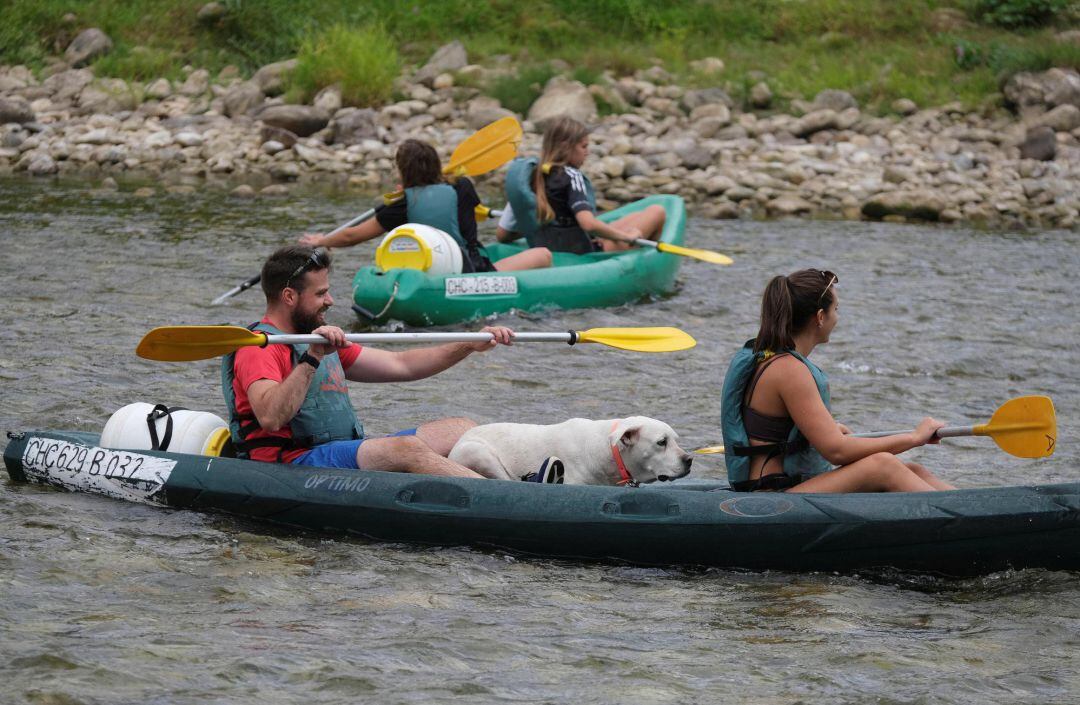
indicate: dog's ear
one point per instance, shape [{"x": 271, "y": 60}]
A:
[{"x": 629, "y": 436}]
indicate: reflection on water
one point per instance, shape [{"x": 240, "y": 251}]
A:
[{"x": 102, "y": 601}]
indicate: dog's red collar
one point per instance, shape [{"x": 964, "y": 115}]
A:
[{"x": 624, "y": 474}]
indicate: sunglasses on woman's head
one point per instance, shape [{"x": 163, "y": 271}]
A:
[{"x": 831, "y": 278}]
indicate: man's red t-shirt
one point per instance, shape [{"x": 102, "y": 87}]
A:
[{"x": 274, "y": 362}]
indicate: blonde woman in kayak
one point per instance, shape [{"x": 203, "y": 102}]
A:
[
  {"x": 429, "y": 200},
  {"x": 551, "y": 201},
  {"x": 779, "y": 434}
]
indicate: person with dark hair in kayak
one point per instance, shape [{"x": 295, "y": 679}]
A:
[
  {"x": 430, "y": 200},
  {"x": 551, "y": 201},
  {"x": 290, "y": 403},
  {"x": 779, "y": 434}
]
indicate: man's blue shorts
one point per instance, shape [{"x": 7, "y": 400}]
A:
[{"x": 339, "y": 454}]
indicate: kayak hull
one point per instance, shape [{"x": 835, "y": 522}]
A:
[
  {"x": 696, "y": 523},
  {"x": 574, "y": 281}
]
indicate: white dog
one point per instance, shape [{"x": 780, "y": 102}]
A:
[{"x": 633, "y": 450}]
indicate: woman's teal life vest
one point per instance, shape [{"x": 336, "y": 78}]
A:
[
  {"x": 522, "y": 198},
  {"x": 326, "y": 414},
  {"x": 435, "y": 205},
  {"x": 800, "y": 458}
]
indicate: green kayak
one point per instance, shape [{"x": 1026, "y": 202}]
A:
[
  {"x": 687, "y": 522},
  {"x": 574, "y": 281}
]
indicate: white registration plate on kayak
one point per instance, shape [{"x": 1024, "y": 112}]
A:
[
  {"x": 480, "y": 286},
  {"x": 114, "y": 473}
]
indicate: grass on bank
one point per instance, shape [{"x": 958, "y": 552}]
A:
[{"x": 877, "y": 49}]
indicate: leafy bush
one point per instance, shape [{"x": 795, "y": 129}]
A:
[
  {"x": 517, "y": 92},
  {"x": 1018, "y": 13},
  {"x": 363, "y": 62}
]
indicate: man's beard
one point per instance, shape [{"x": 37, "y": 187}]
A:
[{"x": 305, "y": 323}]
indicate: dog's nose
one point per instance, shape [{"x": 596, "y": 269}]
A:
[{"x": 687, "y": 461}]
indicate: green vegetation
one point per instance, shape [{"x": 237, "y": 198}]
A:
[
  {"x": 363, "y": 62},
  {"x": 932, "y": 51}
]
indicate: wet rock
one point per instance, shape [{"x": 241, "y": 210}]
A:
[
  {"x": 563, "y": 98},
  {"x": 41, "y": 165},
  {"x": 15, "y": 109},
  {"x": 301, "y": 120},
  {"x": 274, "y": 190},
  {"x": 243, "y": 191},
  {"x": 916, "y": 204},
  {"x": 788, "y": 205},
  {"x": 271, "y": 78},
  {"x": 449, "y": 57},
  {"x": 1040, "y": 144},
  {"x": 87, "y": 46}
]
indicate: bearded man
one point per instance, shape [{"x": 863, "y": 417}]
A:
[{"x": 290, "y": 403}]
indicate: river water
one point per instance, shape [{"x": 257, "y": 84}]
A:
[{"x": 108, "y": 602}]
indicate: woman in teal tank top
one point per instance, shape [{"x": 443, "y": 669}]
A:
[{"x": 777, "y": 426}]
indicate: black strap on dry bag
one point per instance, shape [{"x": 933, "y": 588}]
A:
[{"x": 161, "y": 411}]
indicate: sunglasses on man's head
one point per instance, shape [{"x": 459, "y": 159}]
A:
[{"x": 317, "y": 260}]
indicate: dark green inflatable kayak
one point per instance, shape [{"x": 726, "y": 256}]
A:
[
  {"x": 574, "y": 281},
  {"x": 963, "y": 532}
]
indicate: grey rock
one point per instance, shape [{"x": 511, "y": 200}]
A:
[
  {"x": 1063, "y": 118},
  {"x": 905, "y": 106},
  {"x": 272, "y": 147},
  {"x": 710, "y": 65},
  {"x": 42, "y": 165},
  {"x": 1040, "y": 144},
  {"x": 896, "y": 175},
  {"x": 816, "y": 121},
  {"x": 269, "y": 133},
  {"x": 709, "y": 126},
  {"x": 716, "y": 185},
  {"x": 243, "y": 191},
  {"x": 788, "y": 204},
  {"x": 483, "y": 110},
  {"x": 301, "y": 120},
  {"x": 1045, "y": 90},
  {"x": 711, "y": 110},
  {"x": 197, "y": 83},
  {"x": 211, "y": 13},
  {"x": 287, "y": 171},
  {"x": 12, "y": 136},
  {"x": 563, "y": 98},
  {"x": 831, "y": 99},
  {"x": 189, "y": 139},
  {"x": 271, "y": 78},
  {"x": 274, "y": 190},
  {"x": 87, "y": 46},
  {"x": 761, "y": 95},
  {"x": 696, "y": 98},
  {"x": 356, "y": 126},
  {"x": 328, "y": 99},
  {"x": 243, "y": 98},
  {"x": 449, "y": 57},
  {"x": 15, "y": 109},
  {"x": 67, "y": 85},
  {"x": 635, "y": 165},
  {"x": 159, "y": 89},
  {"x": 106, "y": 96}
]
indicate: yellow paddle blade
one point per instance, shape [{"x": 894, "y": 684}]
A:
[
  {"x": 639, "y": 339},
  {"x": 709, "y": 450},
  {"x": 488, "y": 149},
  {"x": 1025, "y": 427},
  {"x": 187, "y": 343},
  {"x": 703, "y": 255}
]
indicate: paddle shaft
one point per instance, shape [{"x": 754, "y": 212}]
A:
[
  {"x": 248, "y": 283},
  {"x": 946, "y": 432},
  {"x": 569, "y": 337}
]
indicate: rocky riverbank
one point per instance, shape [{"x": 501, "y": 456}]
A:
[{"x": 822, "y": 158}]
